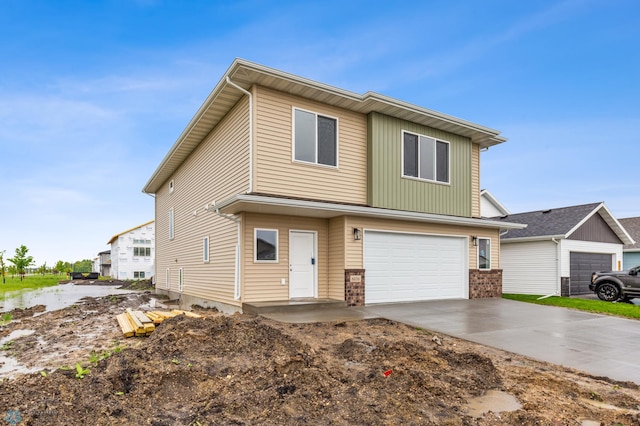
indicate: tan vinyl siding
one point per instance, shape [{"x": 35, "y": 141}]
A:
[
  {"x": 277, "y": 173},
  {"x": 262, "y": 281},
  {"x": 337, "y": 238},
  {"x": 475, "y": 180},
  {"x": 217, "y": 169},
  {"x": 387, "y": 187},
  {"x": 354, "y": 249}
]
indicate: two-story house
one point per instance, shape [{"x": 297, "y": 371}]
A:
[
  {"x": 133, "y": 253},
  {"x": 283, "y": 188}
]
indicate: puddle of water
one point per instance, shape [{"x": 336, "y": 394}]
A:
[
  {"x": 8, "y": 364},
  {"x": 494, "y": 401},
  {"x": 56, "y": 297}
]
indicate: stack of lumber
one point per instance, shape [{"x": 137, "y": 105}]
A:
[{"x": 138, "y": 323}]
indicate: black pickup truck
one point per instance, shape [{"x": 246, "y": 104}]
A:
[{"x": 612, "y": 286}]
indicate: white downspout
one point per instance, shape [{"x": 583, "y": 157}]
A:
[
  {"x": 250, "y": 189},
  {"x": 236, "y": 280}
]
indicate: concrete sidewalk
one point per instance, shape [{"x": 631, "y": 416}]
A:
[{"x": 597, "y": 344}]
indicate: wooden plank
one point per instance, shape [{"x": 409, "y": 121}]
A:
[
  {"x": 138, "y": 327},
  {"x": 186, "y": 313},
  {"x": 157, "y": 319},
  {"x": 125, "y": 325}
]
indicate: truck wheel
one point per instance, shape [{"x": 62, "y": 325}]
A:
[{"x": 608, "y": 292}]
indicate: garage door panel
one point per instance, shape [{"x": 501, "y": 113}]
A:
[
  {"x": 407, "y": 267},
  {"x": 582, "y": 265}
]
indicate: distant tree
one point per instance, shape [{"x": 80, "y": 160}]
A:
[
  {"x": 21, "y": 261},
  {"x": 3, "y": 267},
  {"x": 12, "y": 270},
  {"x": 59, "y": 268},
  {"x": 42, "y": 269},
  {"x": 85, "y": 265}
]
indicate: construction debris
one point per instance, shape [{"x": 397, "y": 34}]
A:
[{"x": 138, "y": 323}]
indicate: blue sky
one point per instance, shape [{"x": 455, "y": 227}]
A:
[{"x": 94, "y": 93}]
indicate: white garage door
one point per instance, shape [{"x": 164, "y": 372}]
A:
[{"x": 409, "y": 267}]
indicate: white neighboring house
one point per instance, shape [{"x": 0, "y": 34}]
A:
[
  {"x": 133, "y": 253},
  {"x": 490, "y": 206}
]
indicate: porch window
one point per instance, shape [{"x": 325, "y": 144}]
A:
[
  {"x": 484, "y": 253},
  {"x": 266, "y": 245},
  {"x": 315, "y": 138}
]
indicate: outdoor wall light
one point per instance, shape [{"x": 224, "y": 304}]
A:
[
  {"x": 474, "y": 240},
  {"x": 356, "y": 234}
]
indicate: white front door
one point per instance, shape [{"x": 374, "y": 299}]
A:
[{"x": 302, "y": 264}]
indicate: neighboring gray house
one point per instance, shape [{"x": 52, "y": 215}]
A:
[
  {"x": 559, "y": 249},
  {"x": 631, "y": 252}
]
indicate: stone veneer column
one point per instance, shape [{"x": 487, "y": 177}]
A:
[
  {"x": 354, "y": 287},
  {"x": 485, "y": 284}
]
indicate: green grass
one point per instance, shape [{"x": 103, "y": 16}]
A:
[
  {"x": 626, "y": 310},
  {"x": 29, "y": 282}
]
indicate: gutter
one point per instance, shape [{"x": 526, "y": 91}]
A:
[
  {"x": 246, "y": 92},
  {"x": 559, "y": 282}
]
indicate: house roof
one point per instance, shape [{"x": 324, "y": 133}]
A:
[
  {"x": 560, "y": 222},
  {"x": 632, "y": 225},
  {"x": 128, "y": 230},
  {"x": 269, "y": 204},
  {"x": 245, "y": 74}
]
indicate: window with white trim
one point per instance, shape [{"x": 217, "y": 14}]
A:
[
  {"x": 171, "y": 224},
  {"x": 167, "y": 278},
  {"x": 205, "y": 249},
  {"x": 315, "y": 138},
  {"x": 484, "y": 253},
  {"x": 141, "y": 251},
  {"x": 138, "y": 275},
  {"x": 180, "y": 280},
  {"x": 425, "y": 158},
  {"x": 266, "y": 245}
]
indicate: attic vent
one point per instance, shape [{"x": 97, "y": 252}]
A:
[{"x": 546, "y": 211}]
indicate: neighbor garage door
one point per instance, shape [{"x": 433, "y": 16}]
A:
[
  {"x": 582, "y": 266},
  {"x": 410, "y": 267}
]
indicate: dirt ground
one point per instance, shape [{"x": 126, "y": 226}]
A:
[{"x": 247, "y": 370}]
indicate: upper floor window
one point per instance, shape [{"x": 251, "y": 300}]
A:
[
  {"x": 142, "y": 251},
  {"x": 425, "y": 158},
  {"x": 315, "y": 138},
  {"x": 171, "y": 186},
  {"x": 171, "y": 224}
]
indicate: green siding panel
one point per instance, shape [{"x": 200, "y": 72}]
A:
[{"x": 387, "y": 188}]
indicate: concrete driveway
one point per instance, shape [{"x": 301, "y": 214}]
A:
[{"x": 597, "y": 344}]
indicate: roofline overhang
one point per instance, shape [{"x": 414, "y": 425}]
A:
[
  {"x": 276, "y": 205},
  {"x": 129, "y": 230},
  {"x": 246, "y": 74},
  {"x": 532, "y": 239}
]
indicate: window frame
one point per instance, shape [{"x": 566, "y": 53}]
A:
[
  {"x": 293, "y": 138},
  {"x": 172, "y": 224},
  {"x": 434, "y": 156},
  {"x": 172, "y": 186},
  {"x": 255, "y": 246},
  {"x": 180, "y": 279},
  {"x": 167, "y": 278},
  {"x": 141, "y": 275},
  {"x": 488, "y": 258},
  {"x": 205, "y": 249},
  {"x": 138, "y": 248}
]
